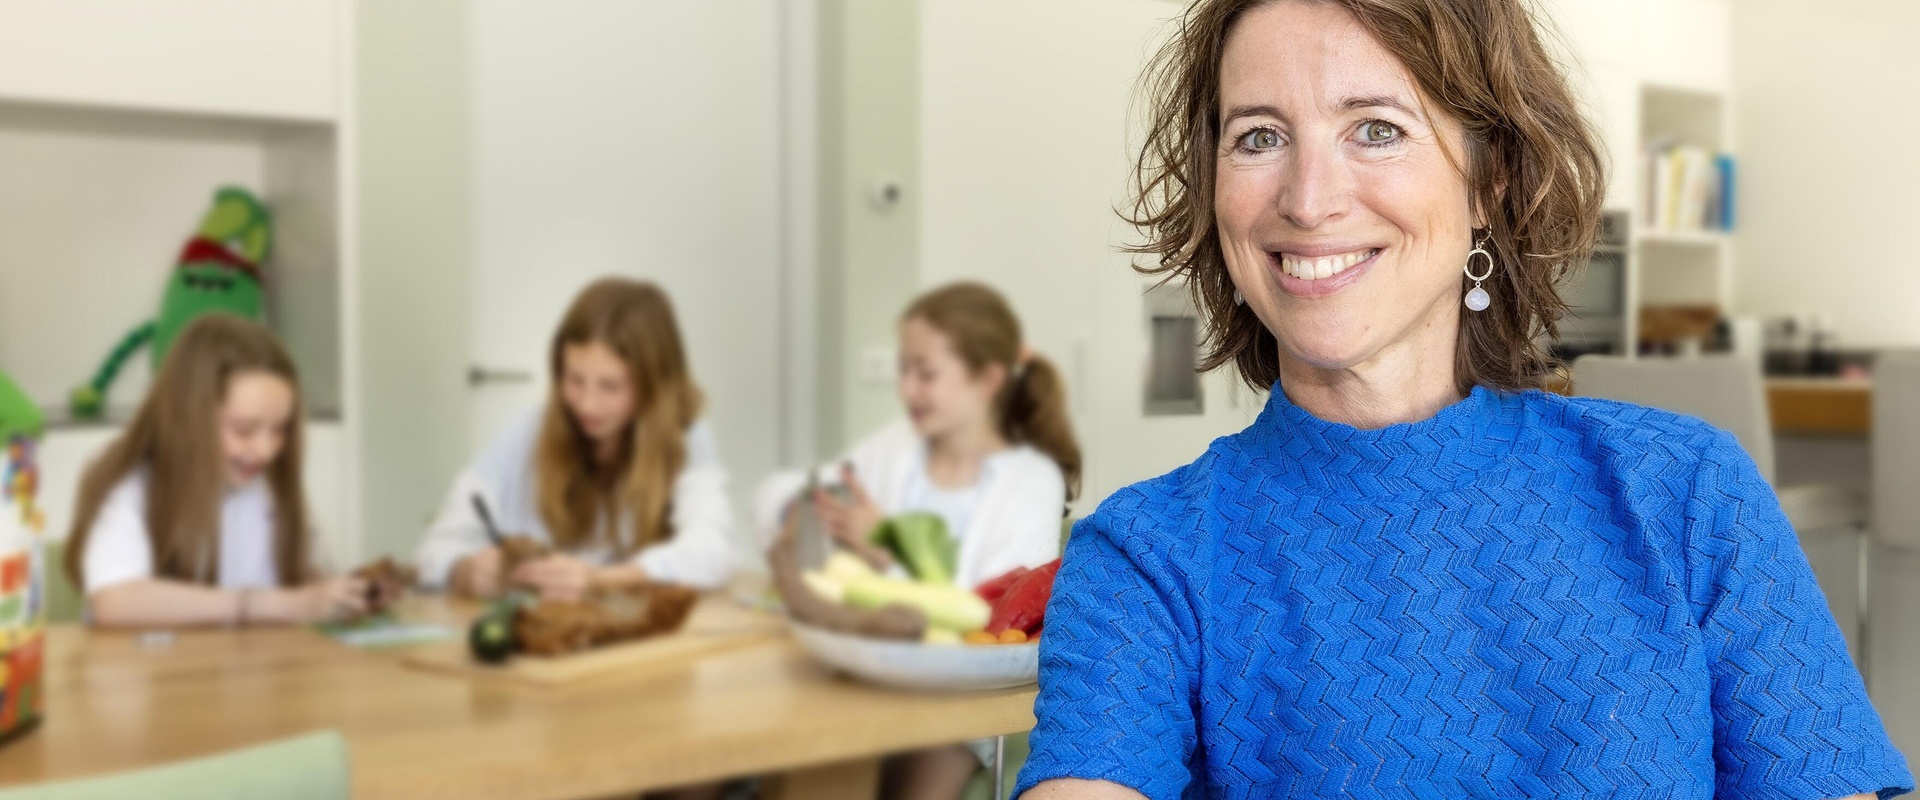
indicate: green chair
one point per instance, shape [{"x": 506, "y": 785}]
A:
[
  {"x": 64, "y": 603},
  {"x": 311, "y": 767}
]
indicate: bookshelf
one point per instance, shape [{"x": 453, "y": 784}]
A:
[{"x": 1682, "y": 251}]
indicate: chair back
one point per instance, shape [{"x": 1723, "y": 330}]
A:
[{"x": 1726, "y": 391}]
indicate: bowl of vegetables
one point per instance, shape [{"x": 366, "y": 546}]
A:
[{"x": 919, "y": 631}]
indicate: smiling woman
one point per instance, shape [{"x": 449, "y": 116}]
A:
[{"x": 1416, "y": 575}]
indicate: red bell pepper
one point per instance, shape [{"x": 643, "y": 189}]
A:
[
  {"x": 993, "y": 589},
  {"x": 1024, "y": 605}
]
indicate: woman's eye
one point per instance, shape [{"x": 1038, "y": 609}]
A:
[
  {"x": 1262, "y": 139},
  {"x": 1377, "y": 132}
]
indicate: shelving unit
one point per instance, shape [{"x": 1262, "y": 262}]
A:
[
  {"x": 118, "y": 121},
  {"x": 1683, "y": 267}
]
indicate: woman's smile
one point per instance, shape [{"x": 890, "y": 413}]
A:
[{"x": 1321, "y": 271}]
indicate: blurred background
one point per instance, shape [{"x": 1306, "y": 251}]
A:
[{"x": 444, "y": 176}]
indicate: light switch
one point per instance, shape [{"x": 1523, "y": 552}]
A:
[{"x": 879, "y": 365}]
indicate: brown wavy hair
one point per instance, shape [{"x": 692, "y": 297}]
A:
[
  {"x": 175, "y": 436},
  {"x": 1532, "y": 166},
  {"x": 635, "y": 320},
  {"x": 1032, "y": 406}
]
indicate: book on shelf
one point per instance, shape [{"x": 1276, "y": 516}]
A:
[{"x": 1689, "y": 190}]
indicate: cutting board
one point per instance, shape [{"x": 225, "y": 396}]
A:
[{"x": 717, "y": 624}]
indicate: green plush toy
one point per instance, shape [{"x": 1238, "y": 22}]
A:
[{"x": 217, "y": 272}]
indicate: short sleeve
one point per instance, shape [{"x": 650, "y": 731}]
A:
[
  {"x": 1118, "y": 662},
  {"x": 1791, "y": 714},
  {"x": 118, "y": 549}
]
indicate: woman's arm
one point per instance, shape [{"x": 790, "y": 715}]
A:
[
  {"x": 154, "y": 603},
  {"x": 1791, "y": 715},
  {"x": 1076, "y": 789}
]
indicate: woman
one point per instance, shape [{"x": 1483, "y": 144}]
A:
[
  {"x": 1415, "y": 575},
  {"x": 196, "y": 514},
  {"x": 614, "y": 472}
]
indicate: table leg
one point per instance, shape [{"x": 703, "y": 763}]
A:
[{"x": 847, "y": 780}]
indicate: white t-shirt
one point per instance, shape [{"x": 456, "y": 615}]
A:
[
  {"x": 699, "y": 554},
  {"x": 119, "y": 550},
  {"x": 954, "y": 506}
]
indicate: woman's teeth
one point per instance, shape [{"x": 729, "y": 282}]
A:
[{"x": 1313, "y": 269}]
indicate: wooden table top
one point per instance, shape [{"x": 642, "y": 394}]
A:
[{"x": 114, "y": 703}]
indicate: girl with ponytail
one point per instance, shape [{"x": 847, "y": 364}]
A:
[{"x": 986, "y": 445}]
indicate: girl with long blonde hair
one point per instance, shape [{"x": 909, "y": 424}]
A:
[
  {"x": 615, "y": 471},
  {"x": 196, "y": 515}
]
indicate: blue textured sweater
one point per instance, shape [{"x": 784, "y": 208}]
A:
[{"x": 1525, "y": 595}]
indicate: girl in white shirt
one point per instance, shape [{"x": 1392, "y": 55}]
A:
[
  {"x": 195, "y": 515},
  {"x": 614, "y": 471},
  {"x": 987, "y": 446}
]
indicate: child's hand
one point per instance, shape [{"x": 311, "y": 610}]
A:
[
  {"x": 333, "y": 599},
  {"x": 478, "y": 574},
  {"x": 557, "y": 577},
  {"x": 849, "y": 521}
]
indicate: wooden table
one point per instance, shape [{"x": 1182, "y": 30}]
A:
[
  {"x": 116, "y": 704},
  {"x": 1832, "y": 406}
]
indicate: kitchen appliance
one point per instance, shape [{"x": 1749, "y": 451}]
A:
[{"x": 1597, "y": 296}]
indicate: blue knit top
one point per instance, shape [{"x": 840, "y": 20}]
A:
[{"x": 1526, "y": 595}]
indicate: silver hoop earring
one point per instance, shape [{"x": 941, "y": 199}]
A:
[{"x": 1477, "y": 297}]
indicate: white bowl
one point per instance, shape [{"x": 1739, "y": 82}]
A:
[{"x": 925, "y": 667}]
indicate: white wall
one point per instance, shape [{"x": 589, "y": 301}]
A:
[
  {"x": 1023, "y": 158},
  {"x": 1830, "y": 182},
  {"x": 409, "y": 300}
]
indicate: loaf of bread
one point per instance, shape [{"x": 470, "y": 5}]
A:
[{"x": 603, "y": 617}]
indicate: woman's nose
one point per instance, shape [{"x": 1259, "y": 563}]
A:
[{"x": 1318, "y": 186}]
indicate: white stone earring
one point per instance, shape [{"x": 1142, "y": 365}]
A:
[
  {"x": 1477, "y": 297},
  {"x": 1237, "y": 299}
]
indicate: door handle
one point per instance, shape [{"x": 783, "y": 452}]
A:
[{"x": 479, "y": 376}]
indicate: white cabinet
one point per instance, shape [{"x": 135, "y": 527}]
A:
[{"x": 275, "y": 60}]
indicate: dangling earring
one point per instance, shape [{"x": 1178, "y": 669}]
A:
[
  {"x": 1237, "y": 299},
  {"x": 1477, "y": 298}
]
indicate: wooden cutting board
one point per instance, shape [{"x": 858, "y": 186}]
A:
[{"x": 716, "y": 624}]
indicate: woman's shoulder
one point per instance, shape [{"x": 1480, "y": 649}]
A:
[
  {"x": 1614, "y": 424},
  {"x": 1159, "y": 511}
]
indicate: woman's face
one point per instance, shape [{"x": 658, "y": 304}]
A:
[
  {"x": 941, "y": 393},
  {"x": 1343, "y": 222},
  {"x": 253, "y": 420},
  {"x": 597, "y": 388}
]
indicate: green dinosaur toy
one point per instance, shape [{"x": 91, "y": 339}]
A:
[{"x": 218, "y": 272}]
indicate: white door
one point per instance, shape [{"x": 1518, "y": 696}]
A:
[{"x": 637, "y": 139}]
